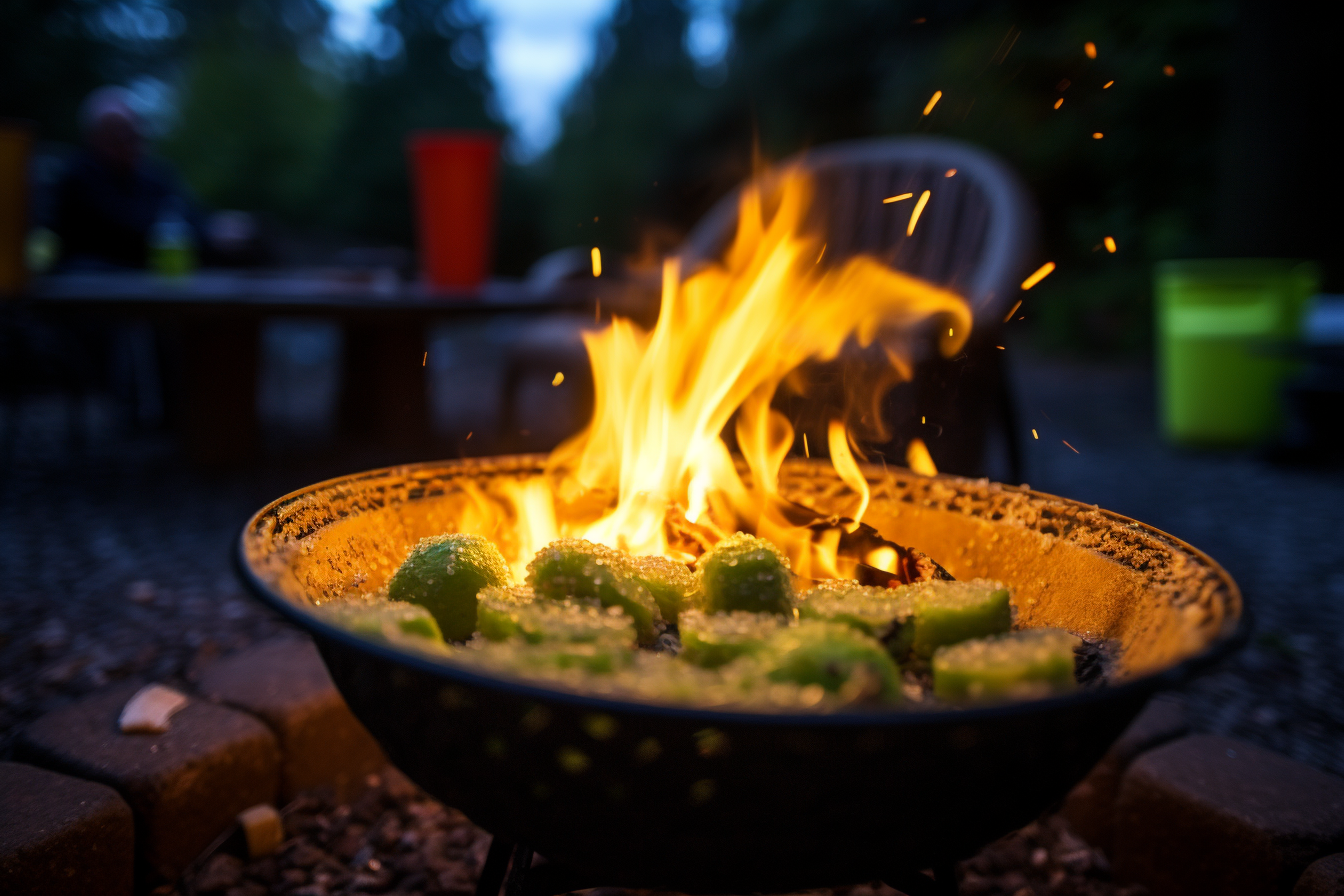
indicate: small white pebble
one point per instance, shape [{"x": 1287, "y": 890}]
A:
[
  {"x": 262, "y": 828},
  {"x": 150, "y": 709}
]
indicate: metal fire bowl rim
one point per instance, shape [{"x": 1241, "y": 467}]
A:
[{"x": 1224, "y": 644}]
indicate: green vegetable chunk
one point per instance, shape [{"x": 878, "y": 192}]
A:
[
  {"x": 444, "y": 573},
  {"x": 947, "y": 612},
  {"x": 713, "y": 640},
  {"x": 1030, "y": 663},
  {"x": 834, "y": 656},
  {"x": 744, "y": 572},
  {"x": 882, "y": 613},
  {"x": 672, "y": 585},
  {"x": 384, "y": 620},
  {"x": 579, "y": 569},
  {"x": 505, "y": 613}
]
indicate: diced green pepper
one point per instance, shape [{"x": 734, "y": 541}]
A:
[
  {"x": 711, "y": 640},
  {"x": 834, "y": 656},
  {"x": 573, "y": 568},
  {"x": 443, "y": 575},
  {"x": 947, "y": 612},
  {"x": 1030, "y": 663},
  {"x": 505, "y": 613},
  {"x": 744, "y": 572},
  {"x": 391, "y": 621},
  {"x": 671, "y": 584}
]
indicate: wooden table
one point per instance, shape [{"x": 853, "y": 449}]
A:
[{"x": 213, "y": 322}]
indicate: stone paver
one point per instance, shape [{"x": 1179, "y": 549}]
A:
[
  {"x": 60, "y": 836},
  {"x": 284, "y": 683},
  {"x": 1207, "y": 814},
  {"x": 1091, "y": 805},
  {"x": 1323, "y": 877},
  {"x": 185, "y": 786}
]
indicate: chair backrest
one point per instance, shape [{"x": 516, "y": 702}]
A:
[{"x": 975, "y": 234}]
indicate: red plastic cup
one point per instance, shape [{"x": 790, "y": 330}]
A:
[{"x": 454, "y": 174}]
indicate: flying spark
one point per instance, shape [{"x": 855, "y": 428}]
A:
[
  {"x": 1070, "y": 447},
  {"x": 897, "y": 198},
  {"x": 950, "y": 172},
  {"x": 1097, "y": 135},
  {"x": 424, "y": 360},
  {"x": 919, "y": 208},
  {"x": 1090, "y": 50},
  {"x": 1107, "y": 84},
  {"x": 558, "y": 378},
  {"x": 1041, "y": 273},
  {"x": 933, "y": 101},
  {"x": 1013, "y": 311},
  {"x": 597, "y": 262},
  {"x": 1110, "y": 243},
  {"x": 806, "y": 451},
  {"x": 1059, "y": 102},
  {"x": 1033, "y": 434}
]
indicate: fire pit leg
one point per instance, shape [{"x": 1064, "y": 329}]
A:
[
  {"x": 519, "y": 871},
  {"x": 496, "y": 864}
]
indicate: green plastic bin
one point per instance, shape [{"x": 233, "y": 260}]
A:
[{"x": 1223, "y": 327}]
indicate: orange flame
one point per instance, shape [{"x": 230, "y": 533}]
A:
[{"x": 652, "y": 464}]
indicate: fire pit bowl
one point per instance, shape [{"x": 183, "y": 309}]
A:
[{"x": 704, "y": 800}]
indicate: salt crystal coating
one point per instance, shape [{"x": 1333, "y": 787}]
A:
[
  {"x": 833, "y": 656},
  {"x": 391, "y": 621},
  {"x": 711, "y": 640},
  {"x": 882, "y": 613},
  {"x": 744, "y": 572},
  {"x": 673, "y": 586},
  {"x": 574, "y": 568},
  {"x": 504, "y": 613},
  {"x": 1022, "y": 664},
  {"x": 444, "y": 573},
  {"x": 946, "y": 612}
]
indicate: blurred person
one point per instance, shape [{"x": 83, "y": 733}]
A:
[{"x": 112, "y": 195}]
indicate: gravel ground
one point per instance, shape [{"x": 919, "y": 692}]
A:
[
  {"x": 115, "y": 561},
  {"x": 1275, "y": 529}
]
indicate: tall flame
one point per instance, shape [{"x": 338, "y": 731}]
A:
[{"x": 725, "y": 339}]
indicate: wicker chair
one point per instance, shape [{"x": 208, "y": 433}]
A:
[{"x": 975, "y": 236}]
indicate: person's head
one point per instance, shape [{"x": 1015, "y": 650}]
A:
[{"x": 111, "y": 127}]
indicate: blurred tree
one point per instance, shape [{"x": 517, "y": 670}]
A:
[
  {"x": 624, "y": 128},
  {"x": 426, "y": 72},
  {"x": 803, "y": 73},
  {"x": 255, "y": 110},
  {"x": 54, "y": 52}
]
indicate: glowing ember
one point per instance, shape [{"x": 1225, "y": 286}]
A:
[
  {"x": 1110, "y": 243},
  {"x": 1059, "y": 102},
  {"x": 917, "y": 458},
  {"x": 919, "y": 210},
  {"x": 933, "y": 101},
  {"x": 597, "y": 261},
  {"x": 1090, "y": 50},
  {"x": 1168, "y": 70},
  {"x": 1097, "y": 135},
  {"x": 950, "y": 172},
  {"x": 558, "y": 378},
  {"x": 1041, "y": 273},
  {"x": 1107, "y": 84}
]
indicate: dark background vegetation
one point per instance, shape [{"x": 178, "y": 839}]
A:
[{"x": 1228, "y": 154}]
